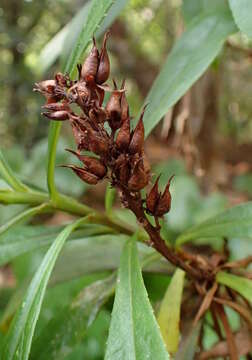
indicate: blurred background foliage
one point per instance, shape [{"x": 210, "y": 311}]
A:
[{"x": 205, "y": 139}]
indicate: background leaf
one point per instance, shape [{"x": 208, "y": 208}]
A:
[
  {"x": 169, "y": 313},
  {"x": 242, "y": 12},
  {"x": 19, "y": 337},
  {"x": 188, "y": 345},
  {"x": 237, "y": 283},
  {"x": 235, "y": 222},
  {"x": 133, "y": 333},
  {"x": 69, "y": 326},
  {"x": 189, "y": 58}
]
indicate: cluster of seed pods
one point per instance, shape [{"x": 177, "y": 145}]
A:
[{"x": 118, "y": 150}]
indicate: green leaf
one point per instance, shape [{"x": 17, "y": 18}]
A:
[
  {"x": 169, "y": 313},
  {"x": 7, "y": 174},
  {"x": 240, "y": 284},
  {"x": 133, "y": 333},
  {"x": 189, "y": 58},
  {"x": 188, "y": 345},
  {"x": 19, "y": 337},
  {"x": 242, "y": 12},
  {"x": 235, "y": 222},
  {"x": 69, "y": 327},
  {"x": 23, "y": 216},
  {"x": 109, "y": 198},
  {"x": 33, "y": 238},
  {"x": 97, "y": 11}
]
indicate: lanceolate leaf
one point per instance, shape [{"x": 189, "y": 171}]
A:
[
  {"x": 69, "y": 327},
  {"x": 169, "y": 314},
  {"x": 133, "y": 333},
  {"x": 97, "y": 11},
  {"x": 242, "y": 12},
  {"x": 23, "y": 216},
  {"x": 240, "y": 284},
  {"x": 190, "y": 57},
  {"x": 235, "y": 222},
  {"x": 7, "y": 174},
  {"x": 19, "y": 337}
]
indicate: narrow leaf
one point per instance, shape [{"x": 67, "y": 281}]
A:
[
  {"x": 169, "y": 313},
  {"x": 7, "y": 174},
  {"x": 188, "y": 345},
  {"x": 109, "y": 198},
  {"x": 97, "y": 11},
  {"x": 242, "y": 285},
  {"x": 69, "y": 327},
  {"x": 242, "y": 12},
  {"x": 188, "y": 60},
  {"x": 133, "y": 333},
  {"x": 19, "y": 337},
  {"x": 234, "y": 222},
  {"x": 23, "y": 216}
]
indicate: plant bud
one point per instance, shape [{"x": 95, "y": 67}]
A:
[
  {"x": 139, "y": 178},
  {"x": 137, "y": 141},
  {"x": 90, "y": 66},
  {"x": 83, "y": 174},
  {"x": 152, "y": 198},
  {"x": 95, "y": 166},
  {"x": 104, "y": 64},
  {"x": 61, "y": 115},
  {"x": 123, "y": 136},
  {"x": 164, "y": 203}
]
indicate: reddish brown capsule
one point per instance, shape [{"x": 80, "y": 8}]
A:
[
  {"x": 137, "y": 141},
  {"x": 97, "y": 144},
  {"x": 139, "y": 178},
  {"x": 95, "y": 166},
  {"x": 113, "y": 109},
  {"x": 83, "y": 174},
  {"x": 90, "y": 66},
  {"x": 124, "y": 104},
  {"x": 61, "y": 115},
  {"x": 104, "y": 64},
  {"x": 152, "y": 198},
  {"x": 45, "y": 87},
  {"x": 164, "y": 203},
  {"x": 60, "y": 79},
  {"x": 56, "y": 106},
  {"x": 123, "y": 136}
]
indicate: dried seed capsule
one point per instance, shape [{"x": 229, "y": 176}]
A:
[
  {"x": 90, "y": 65},
  {"x": 137, "y": 141},
  {"x": 45, "y": 87},
  {"x": 124, "y": 104},
  {"x": 152, "y": 198},
  {"x": 93, "y": 165},
  {"x": 164, "y": 203},
  {"x": 83, "y": 174},
  {"x": 57, "y": 106},
  {"x": 61, "y": 115},
  {"x": 97, "y": 144},
  {"x": 113, "y": 109},
  {"x": 139, "y": 178},
  {"x": 123, "y": 136},
  {"x": 61, "y": 79},
  {"x": 104, "y": 64}
]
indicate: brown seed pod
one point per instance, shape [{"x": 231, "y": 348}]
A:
[
  {"x": 90, "y": 65},
  {"x": 83, "y": 174},
  {"x": 61, "y": 115},
  {"x": 104, "y": 64},
  {"x": 113, "y": 109},
  {"x": 93, "y": 165},
  {"x": 57, "y": 106},
  {"x": 97, "y": 144},
  {"x": 124, "y": 106},
  {"x": 61, "y": 79},
  {"x": 123, "y": 136},
  {"x": 164, "y": 203},
  {"x": 152, "y": 198},
  {"x": 139, "y": 178},
  {"x": 45, "y": 87},
  {"x": 137, "y": 141}
]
